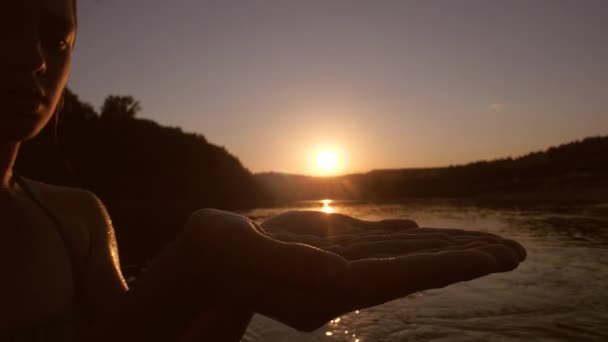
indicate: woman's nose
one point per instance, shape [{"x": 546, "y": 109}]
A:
[{"x": 31, "y": 57}]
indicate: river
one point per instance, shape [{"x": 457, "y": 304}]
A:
[{"x": 560, "y": 293}]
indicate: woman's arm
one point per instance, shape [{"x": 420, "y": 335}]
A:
[
  {"x": 221, "y": 261},
  {"x": 103, "y": 285},
  {"x": 169, "y": 300}
]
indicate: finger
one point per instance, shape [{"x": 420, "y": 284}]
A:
[
  {"x": 460, "y": 247},
  {"x": 451, "y": 232},
  {"x": 324, "y": 224},
  {"x": 402, "y": 236},
  {"x": 426, "y": 233},
  {"x": 376, "y": 281},
  {"x": 521, "y": 251},
  {"x": 375, "y": 246},
  {"x": 346, "y": 239},
  {"x": 507, "y": 258},
  {"x": 314, "y": 222},
  {"x": 471, "y": 245},
  {"x": 464, "y": 239},
  {"x": 395, "y": 247},
  {"x": 514, "y": 245}
]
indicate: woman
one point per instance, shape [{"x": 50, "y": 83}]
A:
[{"x": 59, "y": 255}]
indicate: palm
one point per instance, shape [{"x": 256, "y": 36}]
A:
[
  {"x": 356, "y": 239},
  {"x": 304, "y": 268}
]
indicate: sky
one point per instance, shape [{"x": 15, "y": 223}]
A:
[{"x": 380, "y": 83}]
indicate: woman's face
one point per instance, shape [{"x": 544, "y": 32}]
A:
[{"x": 37, "y": 37}]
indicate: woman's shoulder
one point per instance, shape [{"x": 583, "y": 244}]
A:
[
  {"x": 64, "y": 198},
  {"x": 81, "y": 214},
  {"x": 80, "y": 210},
  {"x": 46, "y": 189}
]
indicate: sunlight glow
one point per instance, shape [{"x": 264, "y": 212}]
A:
[
  {"x": 327, "y": 209},
  {"x": 327, "y": 161}
]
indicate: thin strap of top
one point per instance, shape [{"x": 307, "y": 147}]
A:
[{"x": 60, "y": 229}]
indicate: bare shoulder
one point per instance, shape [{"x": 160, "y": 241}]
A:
[
  {"x": 80, "y": 211},
  {"x": 85, "y": 219},
  {"x": 68, "y": 200}
]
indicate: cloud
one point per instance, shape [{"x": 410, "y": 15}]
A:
[{"x": 497, "y": 107}]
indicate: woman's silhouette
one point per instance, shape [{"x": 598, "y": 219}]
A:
[{"x": 62, "y": 279}]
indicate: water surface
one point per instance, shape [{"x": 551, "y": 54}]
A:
[{"x": 560, "y": 293}]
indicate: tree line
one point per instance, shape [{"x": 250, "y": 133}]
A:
[
  {"x": 575, "y": 172},
  {"x": 150, "y": 177}
]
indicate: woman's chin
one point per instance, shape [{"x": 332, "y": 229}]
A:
[{"x": 24, "y": 128}]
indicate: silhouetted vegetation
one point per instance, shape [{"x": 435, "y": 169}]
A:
[
  {"x": 577, "y": 171},
  {"x": 117, "y": 107},
  {"x": 150, "y": 177}
]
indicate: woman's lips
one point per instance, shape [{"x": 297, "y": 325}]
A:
[{"x": 31, "y": 100}]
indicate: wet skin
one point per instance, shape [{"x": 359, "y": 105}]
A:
[{"x": 307, "y": 281}]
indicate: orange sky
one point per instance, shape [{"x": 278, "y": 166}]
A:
[{"x": 386, "y": 84}]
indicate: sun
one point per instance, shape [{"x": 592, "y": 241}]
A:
[{"x": 327, "y": 161}]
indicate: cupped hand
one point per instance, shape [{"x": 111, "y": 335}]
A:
[{"x": 305, "y": 268}]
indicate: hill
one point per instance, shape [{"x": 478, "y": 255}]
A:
[{"x": 576, "y": 171}]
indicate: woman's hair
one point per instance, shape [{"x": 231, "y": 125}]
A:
[
  {"x": 55, "y": 119},
  {"x": 75, "y": 11}
]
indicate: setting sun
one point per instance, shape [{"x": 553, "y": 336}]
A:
[{"x": 327, "y": 161}]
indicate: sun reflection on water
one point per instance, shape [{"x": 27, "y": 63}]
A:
[
  {"x": 340, "y": 329},
  {"x": 326, "y": 206}
]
